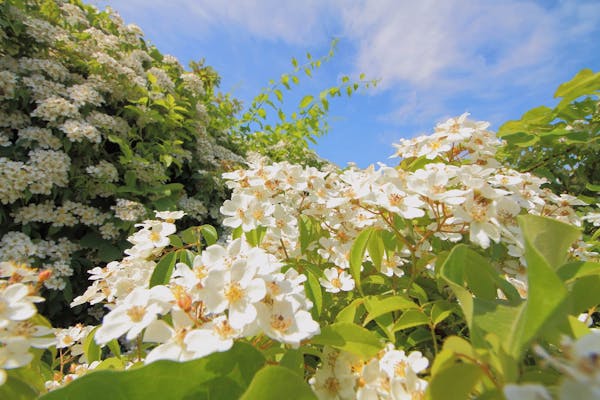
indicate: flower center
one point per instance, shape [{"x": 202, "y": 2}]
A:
[
  {"x": 395, "y": 199},
  {"x": 154, "y": 236},
  {"x": 400, "y": 369},
  {"x": 258, "y": 214},
  {"x": 234, "y": 293},
  {"x": 280, "y": 323},
  {"x": 136, "y": 313},
  {"x": 224, "y": 330},
  {"x": 332, "y": 385}
]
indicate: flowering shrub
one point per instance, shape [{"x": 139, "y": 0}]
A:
[
  {"x": 96, "y": 128},
  {"x": 447, "y": 277}
]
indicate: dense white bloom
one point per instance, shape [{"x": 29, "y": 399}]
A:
[
  {"x": 55, "y": 108},
  {"x": 390, "y": 375},
  {"x": 78, "y": 130},
  {"x": 128, "y": 210}
]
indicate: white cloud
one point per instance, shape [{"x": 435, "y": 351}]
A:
[
  {"x": 293, "y": 22},
  {"x": 428, "y": 52},
  {"x": 423, "y": 43}
]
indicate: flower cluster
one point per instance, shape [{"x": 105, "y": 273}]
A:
[
  {"x": 51, "y": 256},
  {"x": 221, "y": 295},
  {"x": 393, "y": 375},
  {"x": 459, "y": 193}
]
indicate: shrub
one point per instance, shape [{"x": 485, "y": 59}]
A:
[
  {"x": 449, "y": 276},
  {"x": 98, "y": 127}
]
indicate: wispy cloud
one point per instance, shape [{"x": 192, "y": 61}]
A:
[
  {"x": 292, "y": 22},
  {"x": 434, "y": 56},
  {"x": 428, "y": 43}
]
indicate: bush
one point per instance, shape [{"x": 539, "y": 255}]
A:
[
  {"x": 447, "y": 277},
  {"x": 97, "y": 128}
]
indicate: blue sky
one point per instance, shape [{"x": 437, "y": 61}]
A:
[{"x": 434, "y": 59}]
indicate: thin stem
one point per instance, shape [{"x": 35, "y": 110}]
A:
[
  {"x": 435, "y": 345},
  {"x": 139, "y": 347}
]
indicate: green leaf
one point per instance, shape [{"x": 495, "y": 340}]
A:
[
  {"x": 92, "y": 351},
  {"x": 578, "y": 269},
  {"x": 168, "y": 379},
  {"x": 349, "y": 337},
  {"x": 548, "y": 238},
  {"x": 306, "y": 100},
  {"x": 586, "y": 82},
  {"x": 410, "y": 319},
  {"x": 593, "y": 188},
  {"x": 440, "y": 311},
  {"x": 191, "y": 235},
  {"x": 452, "y": 345},
  {"x": 255, "y": 236},
  {"x": 521, "y": 139},
  {"x": 113, "y": 363},
  {"x": 546, "y": 245},
  {"x": 380, "y": 305},
  {"x": 275, "y": 383},
  {"x": 376, "y": 249},
  {"x": 349, "y": 313},
  {"x": 124, "y": 146},
  {"x": 314, "y": 293},
  {"x": 209, "y": 233},
  {"x": 20, "y": 385},
  {"x": 114, "y": 347},
  {"x": 357, "y": 253},
  {"x": 175, "y": 241},
  {"x": 455, "y": 382},
  {"x": 294, "y": 360},
  {"x": 474, "y": 281},
  {"x": 585, "y": 293},
  {"x": 163, "y": 270},
  {"x": 305, "y": 225}
]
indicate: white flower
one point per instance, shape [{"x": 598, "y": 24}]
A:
[
  {"x": 37, "y": 336},
  {"x": 237, "y": 290},
  {"x": 397, "y": 364},
  {"x": 16, "y": 304},
  {"x": 14, "y": 354},
  {"x": 153, "y": 234},
  {"x": 134, "y": 313},
  {"x": 395, "y": 200},
  {"x": 174, "y": 345},
  {"x": 214, "y": 336},
  {"x": 328, "y": 386},
  {"x": 335, "y": 281},
  {"x": 169, "y": 216},
  {"x": 281, "y": 322},
  {"x": 247, "y": 212}
]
